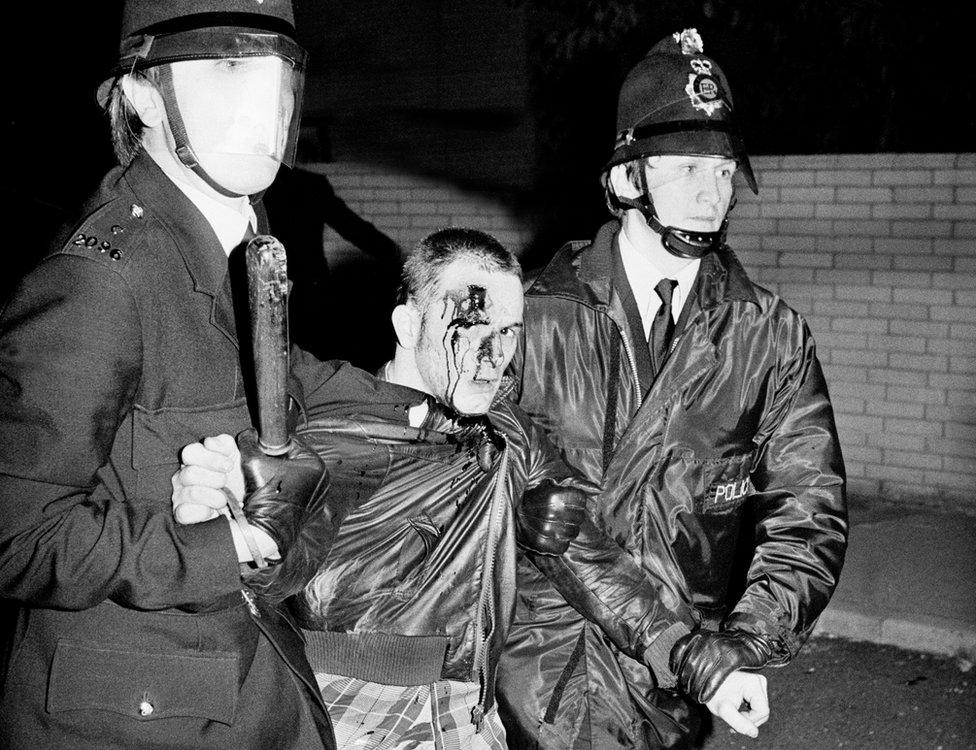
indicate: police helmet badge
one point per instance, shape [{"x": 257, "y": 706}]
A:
[
  {"x": 703, "y": 88},
  {"x": 690, "y": 41}
]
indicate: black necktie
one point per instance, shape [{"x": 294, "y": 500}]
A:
[
  {"x": 248, "y": 234},
  {"x": 662, "y": 327}
]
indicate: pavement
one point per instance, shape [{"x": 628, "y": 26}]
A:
[
  {"x": 853, "y": 694},
  {"x": 909, "y": 580}
]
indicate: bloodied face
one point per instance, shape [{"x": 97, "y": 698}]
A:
[{"x": 468, "y": 333}]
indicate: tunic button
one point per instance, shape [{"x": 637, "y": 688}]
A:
[
  {"x": 145, "y": 708},
  {"x": 135, "y": 210}
]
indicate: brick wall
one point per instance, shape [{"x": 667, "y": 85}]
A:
[
  {"x": 877, "y": 251},
  {"x": 408, "y": 206}
]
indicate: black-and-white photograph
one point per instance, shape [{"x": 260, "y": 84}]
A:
[{"x": 488, "y": 374}]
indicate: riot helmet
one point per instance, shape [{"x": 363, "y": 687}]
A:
[
  {"x": 675, "y": 101},
  {"x": 229, "y": 72}
]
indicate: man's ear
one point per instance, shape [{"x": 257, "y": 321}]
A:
[
  {"x": 144, "y": 98},
  {"x": 406, "y": 324},
  {"x": 621, "y": 182}
]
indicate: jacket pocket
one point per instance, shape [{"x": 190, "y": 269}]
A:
[
  {"x": 719, "y": 485},
  {"x": 158, "y": 436},
  {"x": 707, "y": 524},
  {"x": 144, "y": 686}
]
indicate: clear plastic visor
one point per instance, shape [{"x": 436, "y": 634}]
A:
[
  {"x": 690, "y": 192},
  {"x": 245, "y": 106},
  {"x": 238, "y": 93}
]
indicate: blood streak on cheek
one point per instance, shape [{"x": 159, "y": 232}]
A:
[{"x": 465, "y": 310}]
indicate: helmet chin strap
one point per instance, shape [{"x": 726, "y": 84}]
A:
[
  {"x": 184, "y": 151},
  {"x": 681, "y": 243}
]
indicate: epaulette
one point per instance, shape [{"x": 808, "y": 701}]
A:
[{"x": 108, "y": 233}]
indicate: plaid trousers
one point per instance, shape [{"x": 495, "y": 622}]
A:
[{"x": 371, "y": 716}]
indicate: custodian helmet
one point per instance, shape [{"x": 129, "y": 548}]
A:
[{"x": 675, "y": 101}]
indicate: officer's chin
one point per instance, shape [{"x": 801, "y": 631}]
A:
[
  {"x": 244, "y": 174},
  {"x": 703, "y": 224}
]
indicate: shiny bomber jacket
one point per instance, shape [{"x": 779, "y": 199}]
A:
[
  {"x": 734, "y": 444},
  {"x": 413, "y": 560}
]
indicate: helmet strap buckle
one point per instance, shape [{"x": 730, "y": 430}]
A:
[
  {"x": 185, "y": 154},
  {"x": 184, "y": 151},
  {"x": 145, "y": 46},
  {"x": 685, "y": 244}
]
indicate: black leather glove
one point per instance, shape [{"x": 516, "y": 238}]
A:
[
  {"x": 549, "y": 518},
  {"x": 703, "y": 659},
  {"x": 279, "y": 490}
]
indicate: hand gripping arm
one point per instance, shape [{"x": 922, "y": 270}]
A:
[
  {"x": 702, "y": 660},
  {"x": 549, "y": 518}
]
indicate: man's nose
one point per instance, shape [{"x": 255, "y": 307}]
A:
[
  {"x": 708, "y": 188},
  {"x": 497, "y": 350},
  {"x": 494, "y": 351}
]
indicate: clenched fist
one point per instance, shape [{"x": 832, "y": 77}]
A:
[
  {"x": 549, "y": 518},
  {"x": 702, "y": 660},
  {"x": 280, "y": 489}
]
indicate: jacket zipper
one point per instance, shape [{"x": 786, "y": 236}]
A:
[
  {"x": 632, "y": 361},
  {"x": 486, "y": 601},
  {"x": 249, "y": 599}
]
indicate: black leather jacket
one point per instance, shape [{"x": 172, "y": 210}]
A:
[
  {"x": 736, "y": 434},
  {"x": 732, "y": 449},
  {"x": 415, "y": 555}
]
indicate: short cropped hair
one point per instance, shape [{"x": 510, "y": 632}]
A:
[{"x": 422, "y": 269}]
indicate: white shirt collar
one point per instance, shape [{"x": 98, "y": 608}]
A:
[
  {"x": 229, "y": 223},
  {"x": 643, "y": 276},
  {"x": 417, "y": 413}
]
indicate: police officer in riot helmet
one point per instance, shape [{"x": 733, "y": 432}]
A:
[
  {"x": 696, "y": 399},
  {"x": 212, "y": 90},
  {"x": 118, "y": 349}
]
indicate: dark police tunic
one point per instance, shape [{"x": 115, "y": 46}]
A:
[{"x": 115, "y": 351}]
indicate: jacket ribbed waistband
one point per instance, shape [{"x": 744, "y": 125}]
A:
[{"x": 377, "y": 657}]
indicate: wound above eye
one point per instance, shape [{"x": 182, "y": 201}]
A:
[
  {"x": 470, "y": 307},
  {"x": 476, "y": 299}
]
